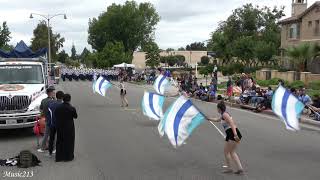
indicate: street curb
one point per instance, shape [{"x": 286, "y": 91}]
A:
[{"x": 269, "y": 113}]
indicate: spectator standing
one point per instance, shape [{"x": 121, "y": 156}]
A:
[
  {"x": 229, "y": 88},
  {"x": 45, "y": 112},
  {"x": 52, "y": 121},
  {"x": 65, "y": 115},
  {"x": 215, "y": 71},
  {"x": 214, "y": 83}
]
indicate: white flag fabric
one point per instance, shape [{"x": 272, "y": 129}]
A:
[
  {"x": 152, "y": 105},
  {"x": 180, "y": 120},
  {"x": 160, "y": 84},
  {"x": 101, "y": 86},
  {"x": 287, "y": 107}
]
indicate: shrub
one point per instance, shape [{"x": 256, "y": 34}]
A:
[
  {"x": 274, "y": 81},
  {"x": 313, "y": 93},
  {"x": 205, "y": 60},
  {"x": 315, "y": 85},
  {"x": 263, "y": 83},
  {"x": 271, "y": 82},
  {"x": 232, "y": 69},
  {"x": 297, "y": 84}
]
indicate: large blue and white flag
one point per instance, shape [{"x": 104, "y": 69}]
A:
[
  {"x": 287, "y": 107},
  {"x": 160, "y": 84},
  {"x": 101, "y": 86},
  {"x": 180, "y": 120},
  {"x": 152, "y": 105},
  {"x": 94, "y": 82},
  {"x": 94, "y": 86}
]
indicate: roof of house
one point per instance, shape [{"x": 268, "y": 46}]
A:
[{"x": 299, "y": 17}]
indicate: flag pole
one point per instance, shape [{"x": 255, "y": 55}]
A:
[
  {"x": 205, "y": 116},
  {"x": 311, "y": 108}
]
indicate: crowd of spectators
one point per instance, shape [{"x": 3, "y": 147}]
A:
[{"x": 243, "y": 91}]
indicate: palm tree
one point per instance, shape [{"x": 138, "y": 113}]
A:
[
  {"x": 316, "y": 50},
  {"x": 301, "y": 54}
]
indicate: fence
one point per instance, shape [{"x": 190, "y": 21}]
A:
[{"x": 290, "y": 76}]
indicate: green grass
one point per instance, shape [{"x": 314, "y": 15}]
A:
[{"x": 222, "y": 85}]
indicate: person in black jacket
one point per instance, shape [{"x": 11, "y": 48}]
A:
[
  {"x": 52, "y": 119},
  {"x": 65, "y": 115}
]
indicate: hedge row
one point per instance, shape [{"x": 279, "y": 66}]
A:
[
  {"x": 237, "y": 68},
  {"x": 312, "y": 88}
]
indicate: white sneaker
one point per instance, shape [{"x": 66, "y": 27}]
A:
[
  {"x": 40, "y": 150},
  {"x": 54, "y": 151}
]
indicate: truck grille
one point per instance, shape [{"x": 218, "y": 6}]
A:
[{"x": 16, "y": 103}]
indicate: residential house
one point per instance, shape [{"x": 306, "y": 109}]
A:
[{"x": 302, "y": 27}]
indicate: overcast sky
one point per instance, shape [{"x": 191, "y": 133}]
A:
[{"x": 182, "y": 21}]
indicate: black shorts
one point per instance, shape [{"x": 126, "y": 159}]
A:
[
  {"x": 123, "y": 92},
  {"x": 230, "y": 135}
]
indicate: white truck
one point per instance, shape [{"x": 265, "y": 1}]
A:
[{"x": 23, "y": 83}]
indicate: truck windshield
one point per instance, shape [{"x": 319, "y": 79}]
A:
[{"x": 21, "y": 74}]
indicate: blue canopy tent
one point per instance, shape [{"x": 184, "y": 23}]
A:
[{"x": 23, "y": 51}]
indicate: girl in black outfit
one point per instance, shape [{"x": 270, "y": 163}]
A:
[
  {"x": 233, "y": 137},
  {"x": 123, "y": 93}
]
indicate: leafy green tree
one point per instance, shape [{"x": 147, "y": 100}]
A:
[
  {"x": 85, "y": 53},
  {"x": 180, "y": 60},
  {"x": 113, "y": 53},
  {"x": 181, "y": 49},
  {"x": 220, "y": 45},
  {"x": 245, "y": 28},
  {"x": 300, "y": 55},
  {"x": 92, "y": 60},
  {"x": 196, "y": 46},
  {"x": 131, "y": 24},
  {"x": 40, "y": 39},
  {"x": 169, "y": 49},
  {"x": 172, "y": 60},
  {"x": 7, "y": 48},
  {"x": 63, "y": 56},
  {"x": 243, "y": 49},
  {"x": 153, "y": 55},
  {"x": 73, "y": 53},
  {"x": 316, "y": 50},
  {"x": 164, "y": 59},
  {"x": 205, "y": 60},
  {"x": 4, "y": 36},
  {"x": 264, "y": 51},
  {"x": 205, "y": 71}
]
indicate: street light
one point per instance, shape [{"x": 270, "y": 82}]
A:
[{"x": 48, "y": 18}]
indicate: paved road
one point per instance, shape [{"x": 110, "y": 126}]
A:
[{"x": 113, "y": 143}]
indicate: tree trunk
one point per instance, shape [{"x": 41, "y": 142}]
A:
[
  {"x": 301, "y": 67},
  {"x": 305, "y": 64}
]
